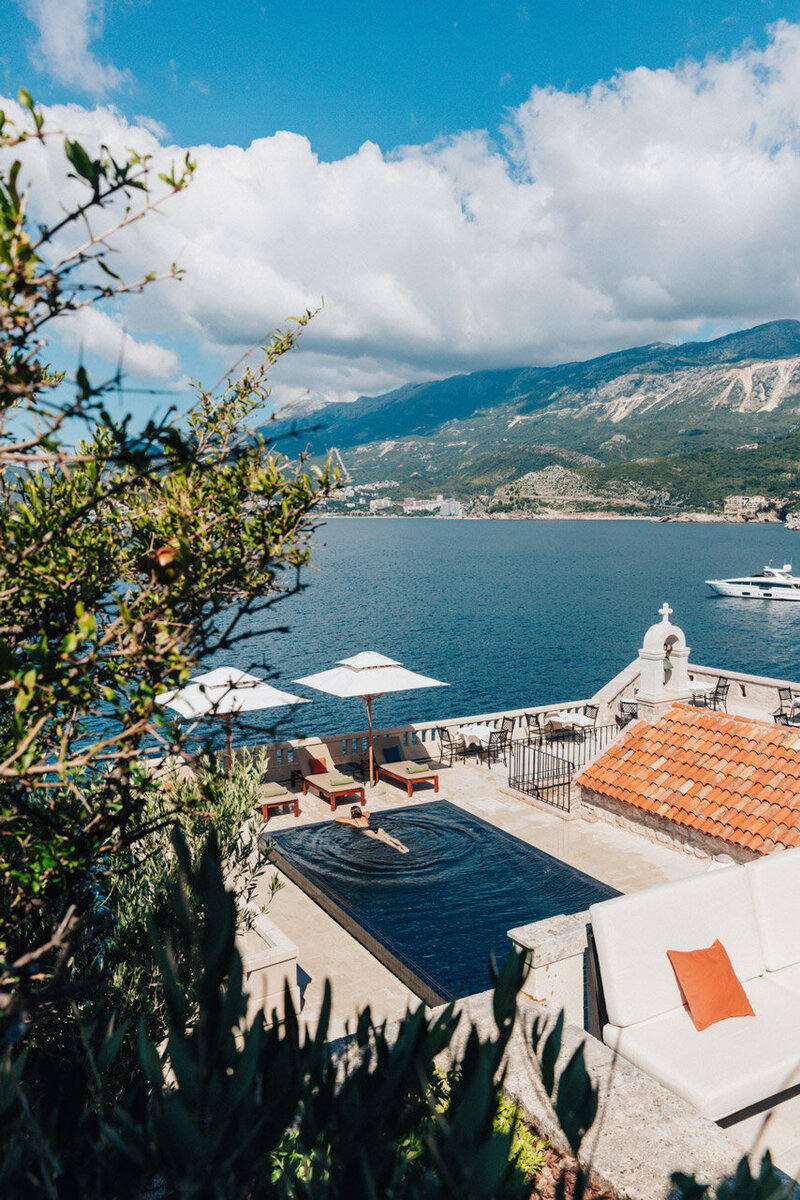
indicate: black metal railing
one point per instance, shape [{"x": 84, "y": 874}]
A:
[
  {"x": 580, "y": 745},
  {"x": 546, "y": 769},
  {"x": 539, "y": 773}
]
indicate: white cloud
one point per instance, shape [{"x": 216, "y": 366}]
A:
[
  {"x": 66, "y": 30},
  {"x": 95, "y": 332},
  {"x": 642, "y": 209},
  {"x": 157, "y": 128}
]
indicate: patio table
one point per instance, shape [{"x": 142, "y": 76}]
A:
[
  {"x": 701, "y": 690},
  {"x": 567, "y": 720},
  {"x": 475, "y": 735}
]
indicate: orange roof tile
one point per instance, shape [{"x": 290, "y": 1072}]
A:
[{"x": 735, "y": 778}]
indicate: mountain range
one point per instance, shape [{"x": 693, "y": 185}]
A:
[{"x": 640, "y": 427}]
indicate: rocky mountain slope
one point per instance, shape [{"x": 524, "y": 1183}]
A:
[{"x": 473, "y": 434}]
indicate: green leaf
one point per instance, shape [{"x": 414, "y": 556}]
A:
[
  {"x": 576, "y": 1102},
  {"x": 84, "y": 166},
  {"x": 103, "y": 267},
  {"x": 550, "y": 1053}
]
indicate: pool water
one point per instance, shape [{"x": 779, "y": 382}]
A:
[{"x": 435, "y": 915}]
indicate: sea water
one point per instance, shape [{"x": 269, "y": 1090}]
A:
[{"x": 510, "y": 613}]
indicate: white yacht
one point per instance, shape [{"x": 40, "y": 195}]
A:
[{"x": 773, "y": 583}]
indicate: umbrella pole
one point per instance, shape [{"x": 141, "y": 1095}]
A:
[
  {"x": 228, "y": 739},
  {"x": 371, "y": 756}
]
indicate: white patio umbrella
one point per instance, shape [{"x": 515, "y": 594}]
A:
[
  {"x": 369, "y": 676},
  {"x": 224, "y": 692}
]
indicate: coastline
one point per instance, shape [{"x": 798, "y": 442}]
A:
[{"x": 682, "y": 518}]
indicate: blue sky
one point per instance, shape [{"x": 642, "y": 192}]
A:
[
  {"x": 466, "y": 185},
  {"x": 344, "y": 73}
]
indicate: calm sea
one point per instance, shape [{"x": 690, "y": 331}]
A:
[{"x": 514, "y": 613}]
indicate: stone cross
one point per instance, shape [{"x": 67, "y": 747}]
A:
[{"x": 665, "y": 612}]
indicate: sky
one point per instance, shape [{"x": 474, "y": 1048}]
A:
[{"x": 465, "y": 186}]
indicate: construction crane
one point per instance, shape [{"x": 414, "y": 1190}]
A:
[{"x": 346, "y": 476}]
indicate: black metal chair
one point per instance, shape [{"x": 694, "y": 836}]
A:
[
  {"x": 590, "y": 711},
  {"x": 449, "y": 748},
  {"x": 507, "y": 725},
  {"x": 497, "y": 745},
  {"x": 780, "y": 718},
  {"x": 535, "y": 728},
  {"x": 786, "y": 698},
  {"x": 719, "y": 697},
  {"x": 628, "y": 711}
]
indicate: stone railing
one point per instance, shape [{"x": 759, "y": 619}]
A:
[
  {"x": 354, "y": 744},
  {"x": 622, "y": 687},
  {"x": 749, "y": 694}
]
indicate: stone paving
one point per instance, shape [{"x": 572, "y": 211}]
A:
[{"x": 617, "y": 856}]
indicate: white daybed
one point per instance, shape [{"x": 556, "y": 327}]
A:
[{"x": 754, "y": 910}]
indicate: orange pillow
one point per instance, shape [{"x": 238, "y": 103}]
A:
[
  {"x": 318, "y": 766},
  {"x": 709, "y": 986}
]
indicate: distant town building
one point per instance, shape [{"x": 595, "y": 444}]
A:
[
  {"x": 377, "y": 505},
  {"x": 410, "y": 505},
  {"x": 737, "y": 505},
  {"x": 445, "y": 508}
]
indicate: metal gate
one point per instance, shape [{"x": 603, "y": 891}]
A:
[{"x": 538, "y": 773}]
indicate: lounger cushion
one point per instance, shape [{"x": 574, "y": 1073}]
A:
[
  {"x": 323, "y": 782},
  {"x": 318, "y": 766},
  {"x": 391, "y": 754},
  {"x": 728, "y": 1066},
  {"x": 268, "y": 790},
  {"x": 339, "y": 780},
  {"x": 707, "y": 980},
  {"x": 775, "y": 886},
  {"x": 407, "y": 769},
  {"x": 633, "y": 933},
  {"x": 788, "y": 977}
]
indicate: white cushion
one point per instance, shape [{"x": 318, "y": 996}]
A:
[
  {"x": 633, "y": 934},
  {"x": 727, "y": 1066},
  {"x": 775, "y": 884},
  {"x": 787, "y": 977}
]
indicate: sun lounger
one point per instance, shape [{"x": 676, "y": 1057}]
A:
[
  {"x": 275, "y": 795},
  {"x": 329, "y": 783},
  {"x": 391, "y": 761}
]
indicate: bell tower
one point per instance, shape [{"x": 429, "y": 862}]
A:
[{"x": 663, "y": 666}]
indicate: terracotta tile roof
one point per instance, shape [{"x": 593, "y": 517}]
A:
[{"x": 730, "y": 777}]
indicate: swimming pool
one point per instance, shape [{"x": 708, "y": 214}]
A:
[{"x": 434, "y": 915}]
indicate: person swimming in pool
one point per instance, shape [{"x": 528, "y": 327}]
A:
[{"x": 359, "y": 819}]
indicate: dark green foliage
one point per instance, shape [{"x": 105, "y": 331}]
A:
[
  {"x": 703, "y": 478},
  {"x": 768, "y": 1184},
  {"x": 573, "y": 1095},
  {"x": 124, "y": 563}
]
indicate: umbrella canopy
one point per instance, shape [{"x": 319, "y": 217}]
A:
[
  {"x": 368, "y": 675},
  {"x": 224, "y": 692}
]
